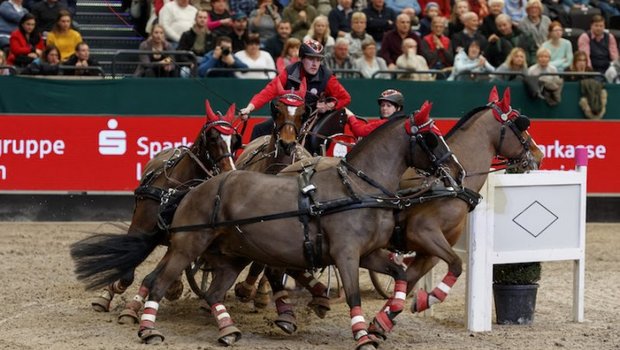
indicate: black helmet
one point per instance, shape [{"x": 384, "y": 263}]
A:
[
  {"x": 311, "y": 48},
  {"x": 393, "y": 96}
]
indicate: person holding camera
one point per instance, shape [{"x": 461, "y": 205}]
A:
[
  {"x": 263, "y": 21},
  {"x": 220, "y": 57}
]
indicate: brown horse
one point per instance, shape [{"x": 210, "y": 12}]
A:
[
  {"x": 176, "y": 169},
  {"x": 256, "y": 216},
  {"x": 433, "y": 227}
]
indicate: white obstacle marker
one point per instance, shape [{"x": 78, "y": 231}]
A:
[{"x": 539, "y": 216}]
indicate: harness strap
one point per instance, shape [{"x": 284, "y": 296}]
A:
[
  {"x": 471, "y": 197},
  {"x": 150, "y": 192},
  {"x": 218, "y": 198},
  {"x": 367, "y": 179}
]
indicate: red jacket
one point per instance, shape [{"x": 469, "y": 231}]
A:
[
  {"x": 362, "y": 129},
  {"x": 333, "y": 88},
  {"x": 19, "y": 46}
]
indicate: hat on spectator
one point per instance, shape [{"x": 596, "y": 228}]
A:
[
  {"x": 431, "y": 5},
  {"x": 239, "y": 15}
]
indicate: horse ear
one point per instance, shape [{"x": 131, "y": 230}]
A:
[
  {"x": 230, "y": 114},
  {"x": 504, "y": 103},
  {"x": 210, "y": 115},
  {"x": 423, "y": 115},
  {"x": 493, "y": 95}
]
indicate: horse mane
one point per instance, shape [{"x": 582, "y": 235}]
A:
[
  {"x": 464, "y": 120},
  {"x": 370, "y": 138}
]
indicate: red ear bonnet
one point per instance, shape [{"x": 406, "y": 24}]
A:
[
  {"x": 221, "y": 123},
  {"x": 292, "y": 97},
  {"x": 422, "y": 120},
  {"x": 493, "y": 95}
]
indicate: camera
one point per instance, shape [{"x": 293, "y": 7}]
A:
[{"x": 225, "y": 51}]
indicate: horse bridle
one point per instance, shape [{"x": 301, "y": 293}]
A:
[
  {"x": 277, "y": 129},
  {"x": 212, "y": 162},
  {"x": 417, "y": 137},
  {"x": 508, "y": 121}
]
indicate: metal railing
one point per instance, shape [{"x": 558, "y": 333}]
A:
[
  {"x": 520, "y": 74},
  {"x": 395, "y": 72},
  {"x": 576, "y": 74},
  {"x": 96, "y": 69},
  {"x": 348, "y": 71},
  {"x": 12, "y": 70},
  {"x": 242, "y": 70},
  {"x": 186, "y": 55}
]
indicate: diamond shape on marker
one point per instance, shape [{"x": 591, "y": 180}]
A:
[{"x": 535, "y": 219}]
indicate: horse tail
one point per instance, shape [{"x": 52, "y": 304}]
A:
[{"x": 104, "y": 258}]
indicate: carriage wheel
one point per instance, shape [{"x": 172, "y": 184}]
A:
[{"x": 199, "y": 276}]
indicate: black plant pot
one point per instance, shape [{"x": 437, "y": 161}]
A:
[{"x": 515, "y": 304}]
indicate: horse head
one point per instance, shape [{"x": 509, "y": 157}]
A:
[
  {"x": 427, "y": 136},
  {"x": 218, "y": 140},
  {"x": 287, "y": 113},
  {"x": 518, "y": 146}
]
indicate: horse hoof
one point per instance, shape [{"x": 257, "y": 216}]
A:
[
  {"x": 366, "y": 347},
  {"x": 320, "y": 305},
  {"x": 175, "y": 291},
  {"x": 101, "y": 304},
  {"x": 128, "y": 316},
  {"x": 287, "y": 323},
  {"x": 376, "y": 330},
  {"x": 367, "y": 342},
  {"x": 229, "y": 335},
  {"x": 244, "y": 292},
  {"x": 151, "y": 336}
]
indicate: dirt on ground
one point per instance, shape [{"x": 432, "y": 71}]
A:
[{"x": 42, "y": 306}]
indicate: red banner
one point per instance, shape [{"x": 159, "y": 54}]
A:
[{"x": 104, "y": 153}]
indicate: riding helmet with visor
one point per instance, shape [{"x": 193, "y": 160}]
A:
[
  {"x": 311, "y": 48},
  {"x": 393, "y": 96}
]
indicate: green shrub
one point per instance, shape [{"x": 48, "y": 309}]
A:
[{"x": 522, "y": 273}]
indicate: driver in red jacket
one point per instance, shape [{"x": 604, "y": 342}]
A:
[{"x": 390, "y": 105}]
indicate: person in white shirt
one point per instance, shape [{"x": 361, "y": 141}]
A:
[
  {"x": 254, "y": 57},
  {"x": 410, "y": 60},
  {"x": 177, "y": 17}
]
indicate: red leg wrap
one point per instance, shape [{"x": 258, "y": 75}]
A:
[
  {"x": 147, "y": 321},
  {"x": 315, "y": 287},
  {"x": 420, "y": 301},
  {"x": 283, "y": 305},
  {"x": 221, "y": 316},
  {"x": 442, "y": 290},
  {"x": 400, "y": 293}
]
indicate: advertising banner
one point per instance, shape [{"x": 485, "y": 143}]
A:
[{"x": 108, "y": 153}]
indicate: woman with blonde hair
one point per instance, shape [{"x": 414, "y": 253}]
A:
[
  {"x": 516, "y": 62},
  {"x": 319, "y": 31},
  {"x": 290, "y": 54},
  {"x": 455, "y": 24},
  {"x": 63, "y": 37}
]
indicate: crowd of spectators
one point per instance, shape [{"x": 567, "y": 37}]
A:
[{"x": 406, "y": 39}]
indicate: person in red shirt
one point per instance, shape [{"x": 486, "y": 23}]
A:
[
  {"x": 25, "y": 43},
  {"x": 390, "y": 105},
  {"x": 324, "y": 91}
]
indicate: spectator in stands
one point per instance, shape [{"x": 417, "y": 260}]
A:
[
  {"x": 469, "y": 33},
  {"x": 411, "y": 61},
  {"x": 579, "y": 65},
  {"x": 488, "y": 26},
  {"x": 197, "y": 39},
  {"x": 25, "y": 43},
  {"x": 220, "y": 57},
  {"x": 254, "y": 57},
  {"x": 608, "y": 7},
  {"x": 240, "y": 32},
  {"x": 300, "y": 14},
  {"x": 242, "y": 6},
  {"x": 46, "y": 14},
  {"x": 600, "y": 47},
  {"x": 561, "y": 49},
  {"x": 455, "y": 24},
  {"x": 479, "y": 7},
  {"x": 409, "y": 7},
  {"x": 436, "y": 47},
  {"x": 430, "y": 11},
  {"x": 177, "y": 17},
  {"x": 516, "y": 10},
  {"x": 380, "y": 19},
  {"x": 47, "y": 64},
  {"x": 557, "y": 11},
  {"x": 323, "y": 7},
  {"x": 535, "y": 23},
  {"x": 155, "y": 63},
  {"x": 340, "y": 19},
  {"x": 509, "y": 37},
  {"x": 340, "y": 59},
  {"x": 275, "y": 45},
  {"x": 543, "y": 65},
  {"x": 11, "y": 12},
  {"x": 320, "y": 32},
  {"x": 612, "y": 74},
  {"x": 3, "y": 71},
  {"x": 82, "y": 59},
  {"x": 63, "y": 36},
  {"x": 392, "y": 44},
  {"x": 219, "y": 21},
  {"x": 264, "y": 20},
  {"x": 321, "y": 82},
  {"x": 516, "y": 62},
  {"x": 290, "y": 54},
  {"x": 369, "y": 63},
  {"x": 358, "y": 34},
  {"x": 471, "y": 60}
]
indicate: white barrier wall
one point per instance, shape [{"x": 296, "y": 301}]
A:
[{"x": 539, "y": 216}]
